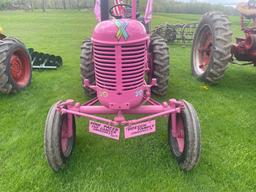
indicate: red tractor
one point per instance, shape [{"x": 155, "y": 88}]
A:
[
  {"x": 213, "y": 49},
  {"x": 120, "y": 65},
  {"x": 15, "y": 65}
]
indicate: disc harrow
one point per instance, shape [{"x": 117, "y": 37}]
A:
[
  {"x": 44, "y": 61},
  {"x": 176, "y": 33}
]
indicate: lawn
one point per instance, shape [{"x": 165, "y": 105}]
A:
[{"x": 226, "y": 111}]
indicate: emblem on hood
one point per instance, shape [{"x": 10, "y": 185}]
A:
[{"x": 121, "y": 26}]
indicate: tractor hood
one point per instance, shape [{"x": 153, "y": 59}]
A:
[{"x": 119, "y": 31}]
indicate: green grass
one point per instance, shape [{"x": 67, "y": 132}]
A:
[{"x": 226, "y": 111}]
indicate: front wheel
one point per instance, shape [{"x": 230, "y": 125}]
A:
[
  {"x": 184, "y": 140},
  {"x": 59, "y": 137}
]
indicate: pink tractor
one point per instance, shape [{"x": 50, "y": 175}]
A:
[
  {"x": 121, "y": 65},
  {"x": 213, "y": 49}
]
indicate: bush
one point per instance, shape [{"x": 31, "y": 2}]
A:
[{"x": 171, "y": 6}]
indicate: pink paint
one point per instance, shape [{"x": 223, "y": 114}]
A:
[
  {"x": 104, "y": 130},
  {"x": 140, "y": 129},
  {"x": 66, "y": 131},
  {"x": 134, "y": 9},
  {"x": 121, "y": 59},
  {"x": 155, "y": 111},
  {"x": 97, "y": 10},
  {"x": 64, "y": 134},
  {"x": 105, "y": 33},
  {"x": 180, "y": 135},
  {"x": 120, "y": 64},
  {"x": 148, "y": 12}
]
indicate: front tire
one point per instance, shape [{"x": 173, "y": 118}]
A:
[
  {"x": 59, "y": 138},
  {"x": 15, "y": 66},
  {"x": 211, "y": 50},
  {"x": 185, "y": 140}
]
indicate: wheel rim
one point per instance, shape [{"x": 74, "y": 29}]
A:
[
  {"x": 203, "y": 50},
  {"x": 20, "y": 68},
  {"x": 178, "y": 136},
  {"x": 66, "y": 135}
]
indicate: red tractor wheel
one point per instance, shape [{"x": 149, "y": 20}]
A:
[
  {"x": 211, "y": 50},
  {"x": 59, "y": 138},
  {"x": 15, "y": 66},
  {"x": 185, "y": 141},
  {"x": 87, "y": 66}
]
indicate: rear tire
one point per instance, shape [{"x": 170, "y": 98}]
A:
[
  {"x": 59, "y": 141},
  {"x": 211, "y": 50},
  {"x": 159, "y": 65},
  {"x": 87, "y": 67},
  {"x": 15, "y": 66},
  {"x": 186, "y": 145}
]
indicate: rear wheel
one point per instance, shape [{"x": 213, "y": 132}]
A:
[
  {"x": 184, "y": 141},
  {"x": 159, "y": 65},
  {"x": 59, "y": 138},
  {"x": 87, "y": 66},
  {"x": 211, "y": 50},
  {"x": 15, "y": 66}
]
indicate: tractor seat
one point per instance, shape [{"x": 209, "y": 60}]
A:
[
  {"x": 245, "y": 10},
  {"x": 129, "y": 12}
]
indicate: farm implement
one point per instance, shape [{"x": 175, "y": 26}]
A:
[
  {"x": 213, "y": 49},
  {"x": 176, "y": 33},
  {"x": 44, "y": 61},
  {"x": 121, "y": 66}
]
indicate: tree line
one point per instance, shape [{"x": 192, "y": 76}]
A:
[
  {"x": 45, "y": 4},
  {"x": 168, "y": 6},
  {"x": 192, "y": 7}
]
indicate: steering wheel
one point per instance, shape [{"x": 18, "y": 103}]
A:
[
  {"x": 252, "y": 4},
  {"x": 123, "y": 13}
]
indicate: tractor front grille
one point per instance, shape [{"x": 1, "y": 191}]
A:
[
  {"x": 105, "y": 68},
  {"x": 133, "y": 66},
  {"x": 120, "y": 67}
]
